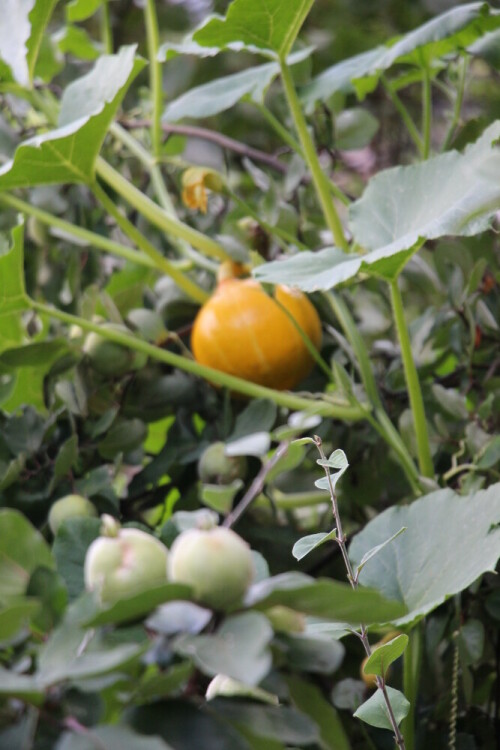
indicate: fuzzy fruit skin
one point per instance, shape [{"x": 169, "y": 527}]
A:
[
  {"x": 215, "y": 467},
  {"x": 243, "y": 332},
  {"x": 70, "y": 506},
  {"x": 111, "y": 359},
  {"x": 121, "y": 566},
  {"x": 216, "y": 563}
]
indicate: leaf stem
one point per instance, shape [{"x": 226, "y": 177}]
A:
[
  {"x": 412, "y": 659},
  {"x": 426, "y": 113},
  {"x": 157, "y": 215},
  {"x": 459, "y": 98},
  {"x": 81, "y": 235},
  {"x": 320, "y": 180},
  {"x": 162, "y": 263},
  {"x": 106, "y": 32},
  {"x": 287, "y": 399},
  {"x": 280, "y": 129},
  {"x": 412, "y": 383},
  {"x": 155, "y": 75},
  {"x": 405, "y": 115},
  {"x": 341, "y": 540}
]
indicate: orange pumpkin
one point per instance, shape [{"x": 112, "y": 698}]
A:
[{"x": 243, "y": 332}]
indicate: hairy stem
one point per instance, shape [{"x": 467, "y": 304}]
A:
[
  {"x": 155, "y": 77},
  {"x": 412, "y": 384},
  {"x": 459, "y": 98},
  {"x": 405, "y": 115},
  {"x": 341, "y": 540},
  {"x": 320, "y": 180},
  {"x": 106, "y": 33}
]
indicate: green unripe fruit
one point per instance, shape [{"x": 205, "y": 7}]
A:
[
  {"x": 70, "y": 506},
  {"x": 216, "y": 563},
  {"x": 124, "y": 565},
  {"x": 214, "y": 467},
  {"x": 109, "y": 358},
  {"x": 285, "y": 620}
]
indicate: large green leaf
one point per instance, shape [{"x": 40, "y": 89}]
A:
[
  {"x": 421, "y": 567},
  {"x": 223, "y": 93},
  {"x": 110, "y": 738},
  {"x": 15, "y": 615},
  {"x": 309, "y": 699},
  {"x": 22, "y": 25},
  {"x": 266, "y": 26},
  {"x": 330, "y": 600},
  {"x": 239, "y": 649},
  {"x": 22, "y": 549},
  {"x": 454, "y": 30},
  {"x": 280, "y": 723},
  {"x": 88, "y": 105},
  {"x": 451, "y": 194},
  {"x": 13, "y": 299}
]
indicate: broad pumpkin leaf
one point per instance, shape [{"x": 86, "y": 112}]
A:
[
  {"x": 223, "y": 93},
  {"x": 269, "y": 27},
  {"x": 22, "y": 549},
  {"x": 450, "y": 32},
  {"x": 88, "y": 105},
  {"x": 22, "y": 25},
  {"x": 421, "y": 567},
  {"x": 324, "y": 598},
  {"x": 452, "y": 194}
]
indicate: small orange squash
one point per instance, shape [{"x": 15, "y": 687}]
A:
[{"x": 243, "y": 332}]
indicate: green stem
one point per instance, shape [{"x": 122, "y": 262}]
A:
[
  {"x": 459, "y": 98},
  {"x": 379, "y": 420},
  {"x": 137, "y": 149},
  {"x": 156, "y": 215},
  {"x": 320, "y": 180},
  {"x": 155, "y": 77},
  {"x": 279, "y": 129},
  {"x": 106, "y": 33},
  {"x": 412, "y": 660},
  {"x": 405, "y": 115},
  {"x": 295, "y": 500},
  {"x": 426, "y": 113},
  {"x": 412, "y": 384},
  {"x": 162, "y": 263},
  {"x": 287, "y": 399},
  {"x": 81, "y": 235}
]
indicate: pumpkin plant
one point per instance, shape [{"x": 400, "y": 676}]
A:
[{"x": 182, "y": 306}]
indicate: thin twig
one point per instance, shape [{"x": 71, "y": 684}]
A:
[
  {"x": 257, "y": 485},
  {"x": 341, "y": 540},
  {"x": 224, "y": 141}
]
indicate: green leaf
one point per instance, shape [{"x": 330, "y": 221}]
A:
[
  {"x": 223, "y": 93},
  {"x": 451, "y": 194},
  {"x": 375, "y": 550},
  {"x": 309, "y": 699},
  {"x": 135, "y": 607},
  {"x": 72, "y": 541},
  {"x": 226, "y": 687},
  {"x": 324, "y": 598},
  {"x": 238, "y": 649},
  {"x": 355, "y": 128},
  {"x": 266, "y": 26},
  {"x": 22, "y": 25},
  {"x": 422, "y": 568},
  {"x": 22, "y": 549},
  {"x": 220, "y": 497},
  {"x": 15, "y": 615},
  {"x": 110, "y": 738},
  {"x": 80, "y": 10},
  {"x": 271, "y": 722},
  {"x": 24, "y": 687},
  {"x": 88, "y": 106},
  {"x": 258, "y": 416},
  {"x": 451, "y": 31},
  {"x": 48, "y": 587},
  {"x": 13, "y": 298},
  {"x": 307, "y": 544},
  {"x": 384, "y": 655},
  {"x": 374, "y": 711},
  {"x": 71, "y": 654},
  {"x": 65, "y": 459}
]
